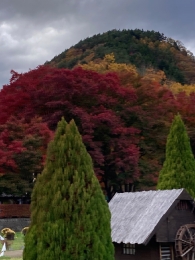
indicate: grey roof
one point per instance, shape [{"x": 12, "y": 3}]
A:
[{"x": 134, "y": 215}]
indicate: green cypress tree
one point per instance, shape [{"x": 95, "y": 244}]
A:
[
  {"x": 179, "y": 166},
  {"x": 70, "y": 219}
]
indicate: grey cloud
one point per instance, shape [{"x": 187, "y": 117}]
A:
[{"x": 37, "y": 10}]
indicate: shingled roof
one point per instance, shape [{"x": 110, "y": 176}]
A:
[{"x": 136, "y": 215}]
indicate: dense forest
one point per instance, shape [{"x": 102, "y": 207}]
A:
[
  {"x": 122, "y": 88},
  {"x": 138, "y": 47}
]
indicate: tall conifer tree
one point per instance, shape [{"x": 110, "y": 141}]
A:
[
  {"x": 179, "y": 167},
  {"x": 70, "y": 219}
]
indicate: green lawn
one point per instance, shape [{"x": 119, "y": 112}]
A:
[
  {"x": 17, "y": 244},
  {"x": 8, "y": 258}
]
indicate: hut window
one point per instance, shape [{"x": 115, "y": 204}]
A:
[
  {"x": 165, "y": 252},
  {"x": 182, "y": 205},
  {"x": 129, "y": 249}
]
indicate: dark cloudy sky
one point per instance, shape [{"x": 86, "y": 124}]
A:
[{"x": 32, "y": 32}]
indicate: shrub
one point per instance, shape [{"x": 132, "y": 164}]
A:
[{"x": 24, "y": 230}]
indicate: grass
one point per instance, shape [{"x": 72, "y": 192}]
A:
[
  {"x": 9, "y": 258},
  {"x": 17, "y": 244}
]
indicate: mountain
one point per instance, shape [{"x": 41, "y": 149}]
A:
[
  {"x": 123, "y": 97},
  {"x": 144, "y": 49}
]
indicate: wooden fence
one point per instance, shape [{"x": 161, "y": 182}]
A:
[{"x": 14, "y": 210}]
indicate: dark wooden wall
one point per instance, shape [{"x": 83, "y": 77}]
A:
[
  {"x": 177, "y": 218},
  {"x": 165, "y": 232},
  {"x": 149, "y": 252}
]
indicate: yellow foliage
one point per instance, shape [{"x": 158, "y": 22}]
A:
[
  {"x": 109, "y": 64},
  {"x": 176, "y": 88},
  {"x": 25, "y": 230},
  {"x": 72, "y": 52},
  {"x": 5, "y": 230},
  {"x": 109, "y": 58},
  {"x": 163, "y": 45},
  {"x": 155, "y": 75}
]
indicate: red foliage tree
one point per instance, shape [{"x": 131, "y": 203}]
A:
[
  {"x": 97, "y": 104},
  {"x": 22, "y": 153},
  {"x": 158, "y": 107},
  {"x": 152, "y": 112}
]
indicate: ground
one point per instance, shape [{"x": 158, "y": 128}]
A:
[{"x": 14, "y": 253}]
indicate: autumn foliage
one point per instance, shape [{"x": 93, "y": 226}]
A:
[
  {"x": 22, "y": 153},
  {"x": 123, "y": 116},
  {"x": 98, "y": 104}
]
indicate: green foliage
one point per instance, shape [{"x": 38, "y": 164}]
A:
[
  {"x": 12, "y": 183},
  {"x": 137, "y": 47},
  {"x": 70, "y": 218},
  {"x": 179, "y": 167}
]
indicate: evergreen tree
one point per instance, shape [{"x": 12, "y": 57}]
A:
[
  {"x": 179, "y": 167},
  {"x": 70, "y": 219}
]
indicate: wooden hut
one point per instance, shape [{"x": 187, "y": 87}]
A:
[{"x": 153, "y": 225}]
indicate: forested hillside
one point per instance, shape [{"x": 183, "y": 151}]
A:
[
  {"x": 140, "y": 48},
  {"x": 123, "y": 111}
]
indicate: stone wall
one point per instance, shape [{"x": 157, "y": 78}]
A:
[{"x": 16, "y": 224}]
